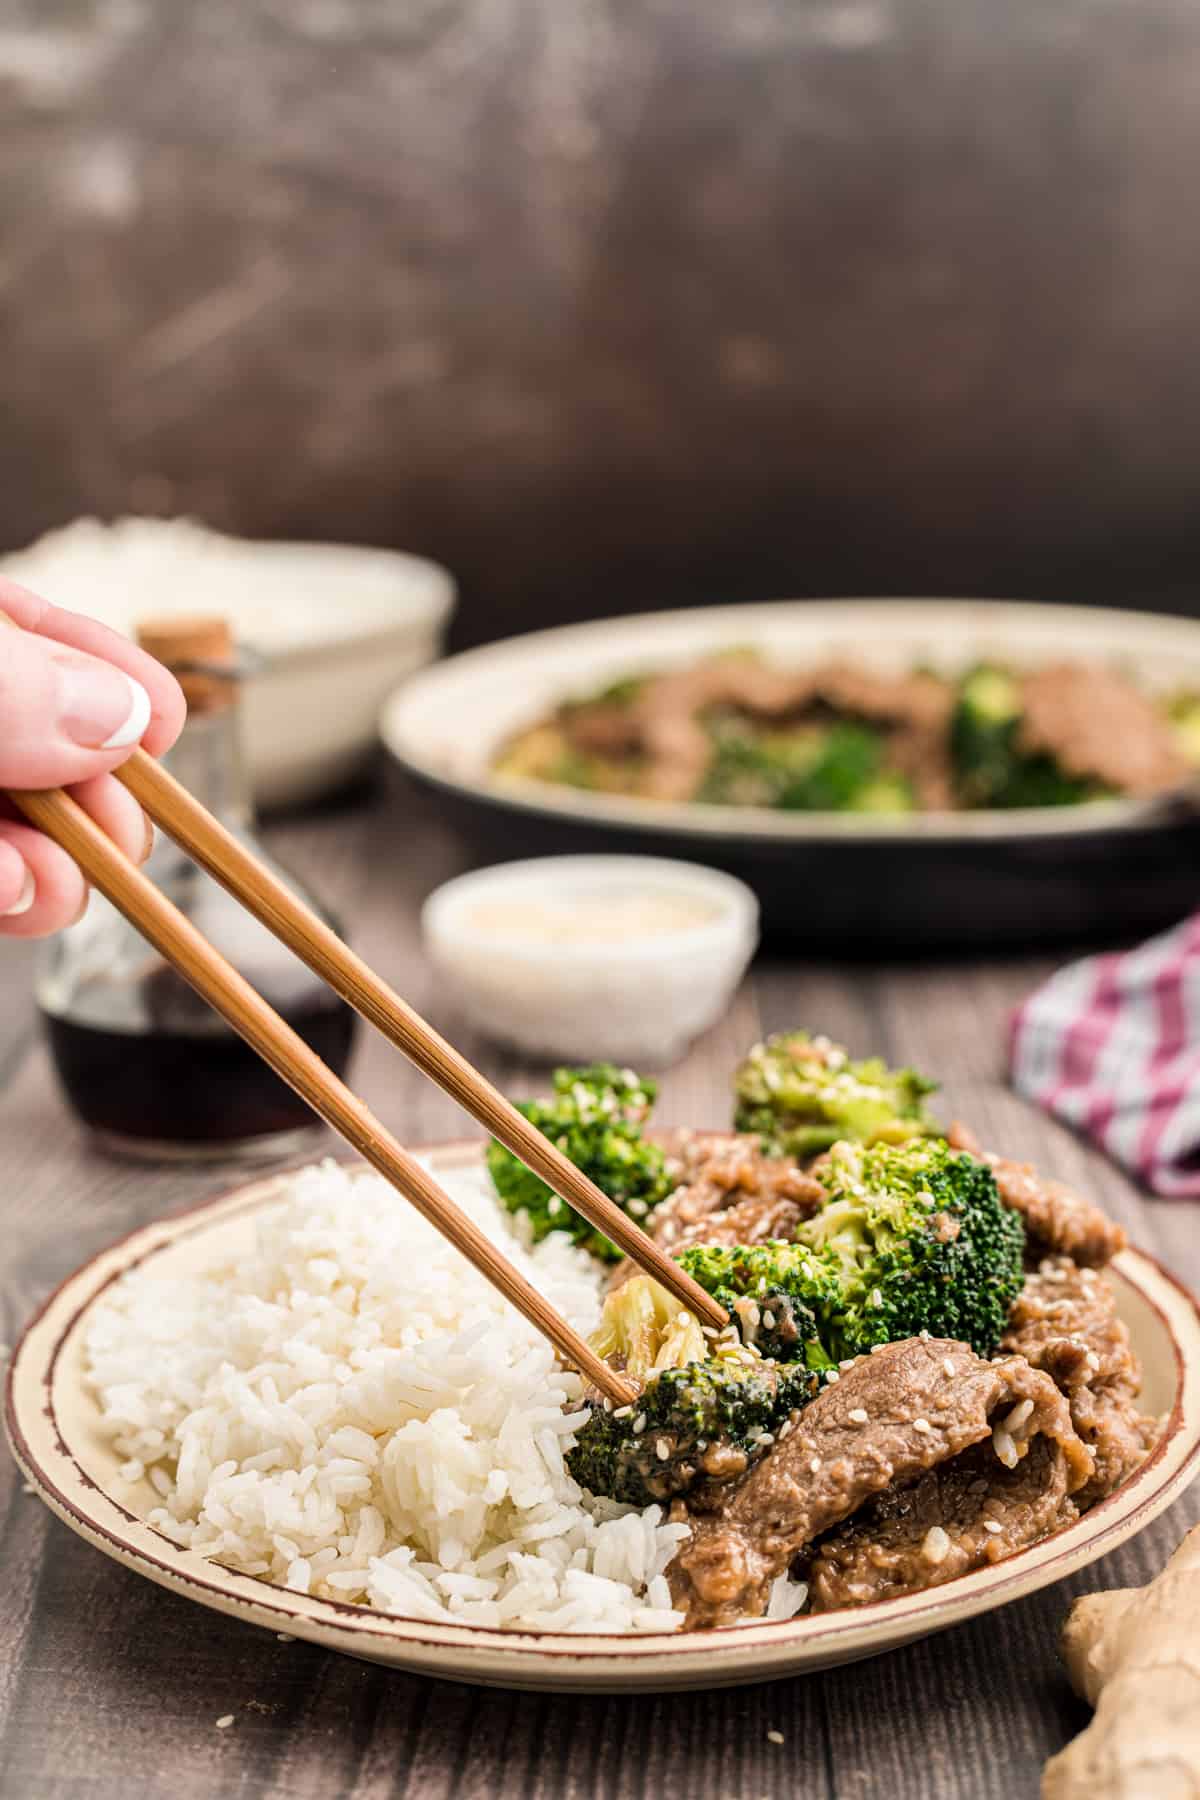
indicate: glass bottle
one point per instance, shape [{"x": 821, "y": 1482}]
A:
[{"x": 143, "y": 1060}]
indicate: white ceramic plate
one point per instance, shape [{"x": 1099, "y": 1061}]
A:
[
  {"x": 53, "y": 1421},
  {"x": 447, "y": 724}
]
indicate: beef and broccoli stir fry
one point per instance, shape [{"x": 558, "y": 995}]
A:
[
  {"x": 923, "y": 1369},
  {"x": 735, "y": 730}
]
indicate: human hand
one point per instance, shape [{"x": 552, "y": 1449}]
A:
[{"x": 75, "y": 701}]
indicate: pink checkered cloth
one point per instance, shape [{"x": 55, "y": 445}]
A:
[{"x": 1111, "y": 1046}]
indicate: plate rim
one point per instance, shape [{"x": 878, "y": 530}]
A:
[
  {"x": 764, "y": 825},
  {"x": 762, "y": 1650}
]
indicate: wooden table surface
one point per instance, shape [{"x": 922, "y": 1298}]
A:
[{"x": 110, "y": 1686}]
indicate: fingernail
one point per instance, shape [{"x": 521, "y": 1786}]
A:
[
  {"x": 148, "y": 822},
  {"x": 24, "y": 899},
  {"x": 101, "y": 708}
]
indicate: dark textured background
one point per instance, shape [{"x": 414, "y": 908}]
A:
[{"x": 610, "y": 303}]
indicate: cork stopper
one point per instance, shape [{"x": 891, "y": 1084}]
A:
[{"x": 195, "y": 649}]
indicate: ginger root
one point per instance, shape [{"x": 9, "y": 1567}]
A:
[{"x": 1135, "y": 1654}]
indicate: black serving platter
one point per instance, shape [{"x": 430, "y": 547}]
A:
[{"x": 1108, "y": 870}]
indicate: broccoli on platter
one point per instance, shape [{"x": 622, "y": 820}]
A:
[
  {"x": 836, "y": 767},
  {"x": 595, "y": 1117},
  {"x": 801, "y": 1094},
  {"x": 914, "y": 1237},
  {"x": 990, "y": 767}
]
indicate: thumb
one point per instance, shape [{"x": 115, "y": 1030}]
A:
[{"x": 64, "y": 715}]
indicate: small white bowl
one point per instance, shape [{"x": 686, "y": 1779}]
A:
[{"x": 592, "y": 958}]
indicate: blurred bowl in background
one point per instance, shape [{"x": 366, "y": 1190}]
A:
[
  {"x": 337, "y": 627},
  {"x": 592, "y": 958},
  {"x": 864, "y": 882}
]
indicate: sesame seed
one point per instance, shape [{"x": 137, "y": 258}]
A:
[
  {"x": 639, "y": 1424},
  {"x": 622, "y": 1412},
  {"x": 935, "y": 1547},
  {"x": 555, "y": 1206},
  {"x": 923, "y": 1426},
  {"x": 857, "y": 1415},
  {"x": 768, "y": 1320},
  {"x": 876, "y": 1348},
  {"x": 1093, "y": 1361},
  {"x": 225, "y": 1721},
  {"x": 662, "y": 1449},
  {"x": 992, "y": 1526},
  {"x": 876, "y": 1298},
  {"x": 948, "y": 1364},
  {"x": 683, "y": 1318},
  {"x": 285, "y": 1637},
  {"x": 831, "y": 1375},
  {"x": 847, "y": 1362},
  {"x": 923, "y": 1335},
  {"x": 815, "y": 1465},
  {"x": 775, "y": 1737},
  {"x": 608, "y": 1406}
]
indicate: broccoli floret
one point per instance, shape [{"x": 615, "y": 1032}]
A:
[
  {"x": 801, "y": 1094},
  {"x": 711, "y": 1419},
  {"x": 643, "y": 1330},
  {"x": 990, "y": 769},
  {"x": 888, "y": 793},
  {"x": 806, "y": 768},
  {"x": 704, "y": 1406},
  {"x": 848, "y": 763},
  {"x": 595, "y": 1117},
  {"x": 916, "y": 1238},
  {"x": 772, "y": 1293},
  {"x": 750, "y": 768}
]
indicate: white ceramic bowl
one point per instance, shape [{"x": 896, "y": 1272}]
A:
[
  {"x": 336, "y": 626},
  {"x": 578, "y": 957}
]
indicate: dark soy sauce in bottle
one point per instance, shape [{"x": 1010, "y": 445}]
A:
[{"x": 148, "y": 1066}]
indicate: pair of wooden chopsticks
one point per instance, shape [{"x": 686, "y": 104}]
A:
[{"x": 263, "y": 894}]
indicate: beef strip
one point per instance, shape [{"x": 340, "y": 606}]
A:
[
  {"x": 602, "y": 728},
  {"x": 1055, "y": 1216},
  {"x": 953, "y": 1518},
  {"x": 908, "y": 1408},
  {"x": 1065, "y": 1322},
  {"x": 1097, "y": 724},
  {"x": 728, "y": 1193}
]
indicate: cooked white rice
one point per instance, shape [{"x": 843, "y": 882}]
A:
[{"x": 352, "y": 1411}]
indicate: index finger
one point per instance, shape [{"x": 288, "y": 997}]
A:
[{"x": 167, "y": 705}]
